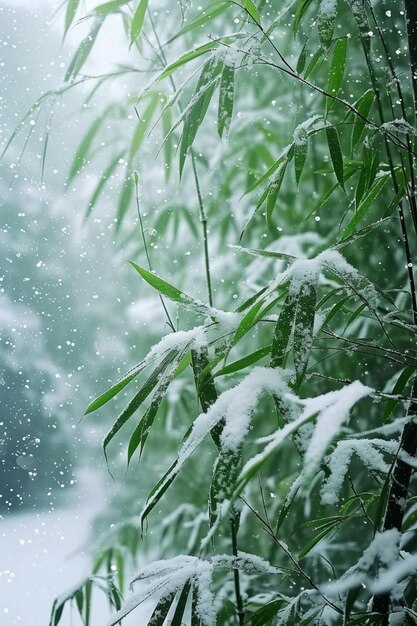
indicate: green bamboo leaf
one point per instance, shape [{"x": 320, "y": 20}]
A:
[
  {"x": 270, "y": 254},
  {"x": 350, "y": 602},
  {"x": 160, "y": 613},
  {"x": 264, "y": 615},
  {"x": 104, "y": 178},
  {"x": 139, "y": 397},
  {"x": 326, "y": 19},
  {"x": 225, "y": 473},
  {"x": 193, "y": 119},
  {"x": 116, "y": 388},
  {"x": 187, "y": 57},
  {"x": 361, "y": 19},
  {"x": 88, "y": 591},
  {"x": 58, "y": 614},
  {"x": 274, "y": 189},
  {"x": 355, "y": 315},
  {"x": 287, "y": 153},
  {"x": 285, "y": 509},
  {"x": 195, "y": 615},
  {"x": 328, "y": 194},
  {"x": 160, "y": 489},
  {"x": 208, "y": 14},
  {"x": 301, "y": 63},
  {"x": 79, "y": 600},
  {"x": 181, "y": 606},
  {"x": 323, "y": 533},
  {"x": 335, "y": 308},
  {"x": 82, "y": 53},
  {"x": 363, "y": 180},
  {"x": 110, "y": 7},
  {"x": 283, "y": 331},
  {"x": 336, "y": 154},
  {"x": 363, "y": 106},
  {"x": 143, "y": 125},
  {"x": 317, "y": 57},
  {"x": 164, "y": 379},
  {"x": 303, "y": 328},
  {"x": 137, "y": 20},
  {"x": 300, "y": 152},
  {"x": 166, "y": 125},
  {"x": 71, "y": 11},
  {"x": 125, "y": 198},
  {"x": 250, "y": 7},
  {"x": 398, "y": 388},
  {"x": 171, "y": 292},
  {"x": 364, "y": 206},
  {"x": 83, "y": 149},
  {"x": 337, "y": 69},
  {"x": 246, "y": 361},
  {"x": 206, "y": 387},
  {"x": 226, "y": 97},
  {"x": 302, "y": 7}
]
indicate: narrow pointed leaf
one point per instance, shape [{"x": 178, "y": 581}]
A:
[
  {"x": 337, "y": 69},
  {"x": 82, "y": 53},
  {"x": 226, "y": 97},
  {"x": 363, "y": 106},
  {"x": 336, "y": 154},
  {"x": 139, "y": 398},
  {"x": 137, "y": 20},
  {"x": 171, "y": 292},
  {"x": 303, "y": 327},
  {"x": 104, "y": 178},
  {"x": 71, "y": 11},
  {"x": 300, "y": 152}
]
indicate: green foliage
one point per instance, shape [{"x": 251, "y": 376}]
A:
[{"x": 280, "y": 370}]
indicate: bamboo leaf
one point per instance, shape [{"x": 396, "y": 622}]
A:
[
  {"x": 301, "y": 63},
  {"x": 83, "y": 149},
  {"x": 283, "y": 331},
  {"x": 125, "y": 198},
  {"x": 274, "y": 189},
  {"x": 115, "y": 389},
  {"x": 164, "y": 378},
  {"x": 363, "y": 106},
  {"x": 250, "y": 7},
  {"x": 208, "y": 14},
  {"x": 311, "y": 544},
  {"x": 398, "y": 388},
  {"x": 187, "y": 57},
  {"x": 326, "y": 19},
  {"x": 337, "y": 69},
  {"x": 264, "y": 615},
  {"x": 246, "y": 361},
  {"x": 300, "y": 152},
  {"x": 336, "y": 154},
  {"x": 71, "y": 11},
  {"x": 180, "y": 608},
  {"x": 139, "y": 398},
  {"x": 110, "y": 7},
  {"x": 143, "y": 125},
  {"x": 303, "y": 328},
  {"x": 226, "y": 96},
  {"x": 104, "y": 178},
  {"x": 270, "y": 254},
  {"x": 137, "y": 20},
  {"x": 161, "y": 610},
  {"x": 82, "y": 53},
  {"x": 171, "y": 292},
  {"x": 201, "y": 99},
  {"x": 364, "y": 206}
]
